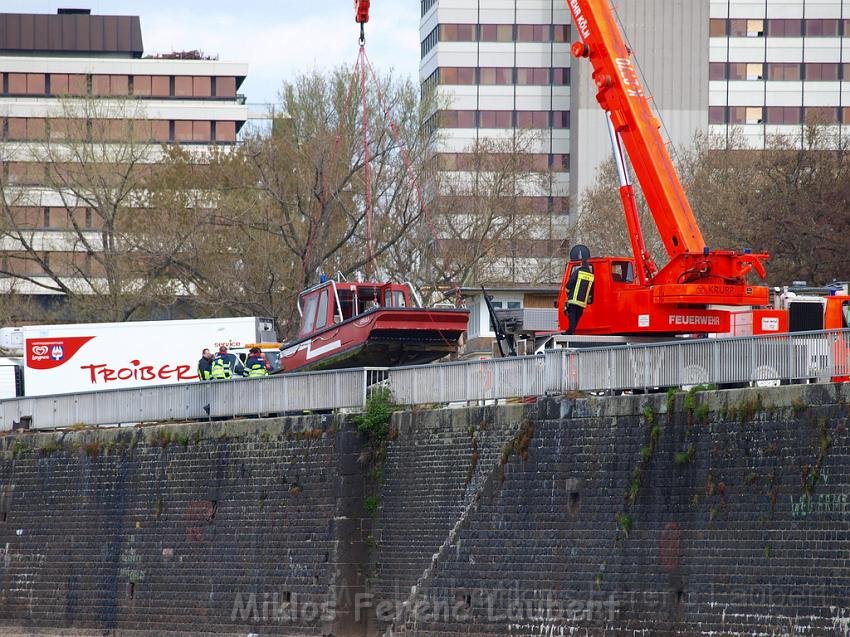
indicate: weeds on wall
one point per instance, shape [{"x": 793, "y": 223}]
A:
[
  {"x": 647, "y": 452},
  {"x": 374, "y": 425},
  {"x": 810, "y": 475},
  {"x": 518, "y": 446}
]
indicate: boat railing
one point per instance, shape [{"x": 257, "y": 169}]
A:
[{"x": 414, "y": 294}]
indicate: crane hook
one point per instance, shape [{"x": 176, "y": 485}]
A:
[{"x": 361, "y": 15}]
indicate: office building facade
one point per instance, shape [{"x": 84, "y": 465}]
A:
[
  {"x": 77, "y": 71},
  {"x": 775, "y": 66},
  {"x": 502, "y": 71}
]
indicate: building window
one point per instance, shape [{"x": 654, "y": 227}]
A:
[
  {"x": 787, "y": 115},
  {"x": 821, "y": 28},
  {"x": 561, "y": 77},
  {"x": 755, "y": 71},
  {"x": 559, "y": 162},
  {"x": 754, "y": 115},
  {"x": 738, "y": 28},
  {"x": 497, "y": 32},
  {"x": 46, "y": 219},
  {"x": 533, "y": 33},
  {"x": 716, "y": 115},
  {"x": 201, "y": 86},
  {"x": 717, "y": 27},
  {"x": 561, "y": 32},
  {"x": 429, "y": 42},
  {"x": 100, "y": 85},
  {"x": 225, "y": 87},
  {"x": 717, "y": 70},
  {"x": 182, "y": 86},
  {"x": 501, "y": 76},
  {"x": 737, "y": 71},
  {"x": 457, "y": 75},
  {"x": 457, "y": 119},
  {"x": 495, "y": 119},
  {"x": 821, "y": 71},
  {"x": 820, "y": 115},
  {"x": 785, "y": 28},
  {"x": 755, "y": 28},
  {"x": 457, "y": 33},
  {"x": 737, "y": 115},
  {"x": 430, "y": 83},
  {"x": 425, "y": 6},
  {"x": 779, "y": 71},
  {"x": 532, "y": 119},
  {"x": 560, "y": 119},
  {"x": 532, "y": 77}
]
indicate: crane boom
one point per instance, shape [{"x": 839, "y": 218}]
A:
[
  {"x": 621, "y": 94},
  {"x": 632, "y": 295}
]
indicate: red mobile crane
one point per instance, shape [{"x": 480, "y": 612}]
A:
[{"x": 631, "y": 295}]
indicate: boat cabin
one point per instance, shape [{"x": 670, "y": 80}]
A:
[{"x": 334, "y": 302}]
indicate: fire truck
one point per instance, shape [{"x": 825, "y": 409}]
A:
[{"x": 700, "y": 291}]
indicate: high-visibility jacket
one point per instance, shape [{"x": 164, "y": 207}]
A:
[
  {"x": 579, "y": 294},
  {"x": 204, "y": 369},
  {"x": 255, "y": 366},
  {"x": 220, "y": 369}
]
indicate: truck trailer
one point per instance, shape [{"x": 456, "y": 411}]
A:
[{"x": 62, "y": 359}]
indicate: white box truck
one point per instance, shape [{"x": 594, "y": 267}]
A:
[{"x": 62, "y": 359}]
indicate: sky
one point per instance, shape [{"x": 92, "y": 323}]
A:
[{"x": 277, "y": 38}]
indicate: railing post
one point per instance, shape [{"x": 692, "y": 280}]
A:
[{"x": 715, "y": 360}]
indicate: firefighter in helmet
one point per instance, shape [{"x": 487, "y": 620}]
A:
[{"x": 579, "y": 294}]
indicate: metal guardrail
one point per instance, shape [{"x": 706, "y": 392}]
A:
[
  {"x": 801, "y": 356},
  {"x": 194, "y": 401}
]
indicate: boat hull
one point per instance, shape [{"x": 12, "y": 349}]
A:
[{"x": 385, "y": 337}]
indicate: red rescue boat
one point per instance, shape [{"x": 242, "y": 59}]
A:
[{"x": 353, "y": 324}]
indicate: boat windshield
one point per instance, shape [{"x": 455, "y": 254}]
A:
[
  {"x": 310, "y": 305},
  {"x": 394, "y": 298}
]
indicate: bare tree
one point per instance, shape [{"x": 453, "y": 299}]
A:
[
  {"x": 484, "y": 224},
  {"x": 294, "y": 201},
  {"x": 791, "y": 200}
]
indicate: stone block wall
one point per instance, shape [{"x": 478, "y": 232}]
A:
[
  {"x": 228, "y": 527},
  {"x": 701, "y": 513}
]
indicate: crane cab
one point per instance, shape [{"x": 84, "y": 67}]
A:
[{"x": 619, "y": 304}]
